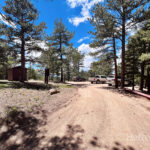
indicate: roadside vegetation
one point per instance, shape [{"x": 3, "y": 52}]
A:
[{"x": 113, "y": 22}]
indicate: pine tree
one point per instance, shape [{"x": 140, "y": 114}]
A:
[
  {"x": 103, "y": 66},
  {"x": 3, "y": 55},
  {"x": 138, "y": 45},
  {"x": 146, "y": 59},
  {"x": 132, "y": 61},
  {"x": 105, "y": 34},
  {"x": 49, "y": 59},
  {"x": 127, "y": 14},
  {"x": 23, "y": 33},
  {"x": 61, "y": 37}
]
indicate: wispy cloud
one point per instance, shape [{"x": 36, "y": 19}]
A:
[
  {"x": 86, "y": 49},
  {"x": 82, "y": 39},
  {"x": 85, "y": 10}
]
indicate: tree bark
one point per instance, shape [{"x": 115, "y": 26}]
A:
[
  {"x": 133, "y": 74},
  {"x": 22, "y": 58},
  {"x": 133, "y": 84},
  {"x": 68, "y": 73},
  {"x": 115, "y": 62},
  {"x": 142, "y": 76},
  {"x": 148, "y": 80},
  {"x": 123, "y": 52},
  {"x": 61, "y": 58}
]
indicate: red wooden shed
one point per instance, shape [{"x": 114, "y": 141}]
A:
[{"x": 14, "y": 74}]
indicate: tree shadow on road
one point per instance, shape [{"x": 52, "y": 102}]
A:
[
  {"x": 120, "y": 91},
  {"x": 20, "y": 131},
  {"x": 79, "y": 85},
  {"x": 70, "y": 141},
  {"x": 95, "y": 143}
]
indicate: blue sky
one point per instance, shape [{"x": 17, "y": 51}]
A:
[
  {"x": 49, "y": 11},
  {"x": 74, "y": 14}
]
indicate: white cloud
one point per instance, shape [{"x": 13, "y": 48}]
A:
[
  {"x": 82, "y": 39},
  {"x": 86, "y": 49},
  {"x": 85, "y": 11},
  {"x": 2, "y": 19},
  {"x": 34, "y": 54},
  {"x": 41, "y": 44}
]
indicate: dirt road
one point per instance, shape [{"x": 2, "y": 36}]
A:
[
  {"x": 91, "y": 117},
  {"x": 99, "y": 119}
]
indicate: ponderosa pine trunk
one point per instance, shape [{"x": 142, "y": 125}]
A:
[
  {"x": 22, "y": 58},
  {"x": 133, "y": 83},
  {"x": 148, "y": 80},
  {"x": 61, "y": 58},
  {"x": 68, "y": 73},
  {"x": 142, "y": 76},
  {"x": 115, "y": 62},
  {"x": 123, "y": 52},
  {"x": 133, "y": 74}
]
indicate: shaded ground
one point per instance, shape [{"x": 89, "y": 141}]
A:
[{"x": 92, "y": 117}]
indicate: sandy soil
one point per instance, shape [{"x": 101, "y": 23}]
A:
[
  {"x": 94, "y": 118},
  {"x": 26, "y": 97},
  {"x": 101, "y": 119}
]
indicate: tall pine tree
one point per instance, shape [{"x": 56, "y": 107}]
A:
[
  {"x": 105, "y": 34},
  {"x": 61, "y": 36},
  {"x": 23, "y": 33},
  {"x": 127, "y": 14}
]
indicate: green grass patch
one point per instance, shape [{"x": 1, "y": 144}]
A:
[
  {"x": 63, "y": 86},
  {"x": 4, "y": 85}
]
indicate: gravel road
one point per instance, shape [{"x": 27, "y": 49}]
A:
[
  {"x": 100, "y": 118},
  {"x": 92, "y": 117}
]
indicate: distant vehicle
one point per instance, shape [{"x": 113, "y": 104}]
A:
[
  {"x": 98, "y": 79},
  {"x": 111, "y": 81},
  {"x": 77, "y": 78}
]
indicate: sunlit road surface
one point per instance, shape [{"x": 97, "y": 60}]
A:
[{"x": 99, "y": 118}]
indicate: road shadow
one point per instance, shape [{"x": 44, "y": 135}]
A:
[
  {"x": 95, "y": 143},
  {"x": 70, "y": 141},
  {"x": 19, "y": 130},
  {"x": 79, "y": 84},
  {"x": 4, "y": 82},
  {"x": 120, "y": 91}
]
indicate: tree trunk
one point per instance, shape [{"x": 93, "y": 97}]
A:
[
  {"x": 61, "y": 58},
  {"x": 62, "y": 76},
  {"x": 133, "y": 74},
  {"x": 22, "y": 58},
  {"x": 123, "y": 52},
  {"x": 148, "y": 80},
  {"x": 115, "y": 62},
  {"x": 46, "y": 76},
  {"x": 133, "y": 84},
  {"x": 142, "y": 76},
  {"x": 68, "y": 73}
]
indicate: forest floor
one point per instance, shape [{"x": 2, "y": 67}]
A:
[{"x": 81, "y": 117}]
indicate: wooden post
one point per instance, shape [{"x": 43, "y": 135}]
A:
[{"x": 46, "y": 75}]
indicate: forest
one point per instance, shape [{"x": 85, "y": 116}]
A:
[
  {"x": 121, "y": 39},
  {"x": 74, "y": 74}
]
